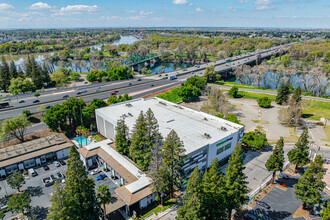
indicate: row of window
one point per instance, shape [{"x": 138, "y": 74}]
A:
[
  {"x": 222, "y": 149},
  {"x": 218, "y": 144}
]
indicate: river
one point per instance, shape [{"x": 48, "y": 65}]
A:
[{"x": 19, "y": 59}]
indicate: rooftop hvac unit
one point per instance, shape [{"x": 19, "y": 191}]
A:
[
  {"x": 208, "y": 136},
  {"x": 129, "y": 105},
  {"x": 205, "y": 119},
  {"x": 130, "y": 114},
  {"x": 223, "y": 128}
]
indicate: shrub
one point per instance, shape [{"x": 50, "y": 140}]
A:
[
  {"x": 157, "y": 199},
  {"x": 37, "y": 94},
  {"x": 27, "y": 113},
  {"x": 233, "y": 91},
  {"x": 255, "y": 139},
  {"x": 264, "y": 102}
]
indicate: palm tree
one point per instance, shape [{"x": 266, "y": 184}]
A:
[
  {"x": 82, "y": 132},
  {"x": 104, "y": 196}
]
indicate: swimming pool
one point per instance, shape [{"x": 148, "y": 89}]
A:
[{"x": 82, "y": 141}]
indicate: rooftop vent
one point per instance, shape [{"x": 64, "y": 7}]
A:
[
  {"x": 168, "y": 121},
  {"x": 205, "y": 119},
  {"x": 223, "y": 128},
  {"x": 129, "y": 105},
  {"x": 162, "y": 103},
  {"x": 130, "y": 114},
  {"x": 123, "y": 115},
  {"x": 208, "y": 136}
]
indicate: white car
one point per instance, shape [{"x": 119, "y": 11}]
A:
[
  {"x": 96, "y": 171},
  {"x": 57, "y": 164}
]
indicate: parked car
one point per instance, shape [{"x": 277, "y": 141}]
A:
[
  {"x": 48, "y": 181},
  {"x": 35, "y": 101},
  {"x": 100, "y": 177},
  {"x": 59, "y": 176},
  {"x": 57, "y": 164},
  {"x": 65, "y": 96},
  {"x": 45, "y": 167},
  {"x": 21, "y": 101},
  {"x": 96, "y": 171},
  {"x": 283, "y": 175},
  {"x": 263, "y": 204},
  {"x": 32, "y": 172},
  {"x": 62, "y": 162}
]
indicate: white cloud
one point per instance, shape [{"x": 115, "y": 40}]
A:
[
  {"x": 199, "y": 9},
  {"x": 131, "y": 11},
  {"x": 39, "y": 6},
  {"x": 180, "y": 2},
  {"x": 6, "y": 7},
  {"x": 243, "y": 1},
  {"x": 77, "y": 9},
  {"x": 262, "y": 4},
  {"x": 145, "y": 13}
]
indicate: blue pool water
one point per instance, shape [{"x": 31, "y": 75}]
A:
[{"x": 82, "y": 141}]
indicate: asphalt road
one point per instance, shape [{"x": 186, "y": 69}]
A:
[{"x": 134, "y": 87}]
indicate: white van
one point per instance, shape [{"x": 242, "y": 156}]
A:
[{"x": 32, "y": 172}]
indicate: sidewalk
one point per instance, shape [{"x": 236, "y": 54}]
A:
[{"x": 169, "y": 213}]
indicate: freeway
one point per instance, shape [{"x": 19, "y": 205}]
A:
[{"x": 135, "y": 87}]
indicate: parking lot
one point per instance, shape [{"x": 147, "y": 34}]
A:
[{"x": 40, "y": 195}]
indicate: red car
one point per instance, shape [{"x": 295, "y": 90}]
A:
[{"x": 113, "y": 93}]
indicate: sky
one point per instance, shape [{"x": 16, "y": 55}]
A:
[{"x": 164, "y": 13}]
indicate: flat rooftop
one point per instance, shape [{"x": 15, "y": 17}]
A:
[
  {"x": 190, "y": 125},
  {"x": 31, "y": 146}
]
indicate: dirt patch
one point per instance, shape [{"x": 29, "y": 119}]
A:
[
  {"x": 300, "y": 212},
  {"x": 28, "y": 137},
  {"x": 159, "y": 92},
  {"x": 196, "y": 105}
]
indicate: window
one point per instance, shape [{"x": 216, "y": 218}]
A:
[
  {"x": 227, "y": 146},
  {"x": 220, "y": 150}
]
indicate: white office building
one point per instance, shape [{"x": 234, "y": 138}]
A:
[{"x": 205, "y": 137}]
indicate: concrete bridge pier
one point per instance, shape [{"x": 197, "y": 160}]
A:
[{"x": 134, "y": 68}]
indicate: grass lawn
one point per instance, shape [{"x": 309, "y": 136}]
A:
[
  {"x": 243, "y": 86},
  {"x": 154, "y": 208},
  {"x": 260, "y": 121},
  {"x": 314, "y": 110},
  {"x": 293, "y": 136},
  {"x": 171, "y": 96},
  {"x": 97, "y": 138},
  {"x": 252, "y": 95},
  {"x": 327, "y": 132}
]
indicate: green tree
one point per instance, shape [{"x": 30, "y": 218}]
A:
[
  {"x": 297, "y": 94},
  {"x": 16, "y": 180},
  {"x": 233, "y": 118},
  {"x": 173, "y": 160},
  {"x": 104, "y": 196},
  {"x": 233, "y": 91},
  {"x": 37, "y": 94},
  {"x": 56, "y": 117},
  {"x": 199, "y": 82},
  {"x": 57, "y": 202},
  {"x": 275, "y": 161},
  {"x": 255, "y": 139},
  {"x": 91, "y": 77},
  {"x": 211, "y": 75},
  {"x": 189, "y": 92},
  {"x": 19, "y": 85},
  {"x": 19, "y": 203},
  {"x": 112, "y": 100},
  {"x": 122, "y": 139},
  {"x": 309, "y": 188},
  {"x": 326, "y": 212},
  {"x": 299, "y": 154},
  {"x": 192, "y": 203},
  {"x": 264, "y": 102},
  {"x": 13, "y": 70},
  {"x": 140, "y": 149},
  {"x": 75, "y": 76},
  {"x": 283, "y": 93},
  {"x": 236, "y": 181},
  {"x": 214, "y": 193},
  {"x": 59, "y": 78},
  {"x": 2, "y": 214},
  {"x": 14, "y": 127},
  {"x": 80, "y": 200},
  {"x": 4, "y": 75},
  {"x": 82, "y": 132}
]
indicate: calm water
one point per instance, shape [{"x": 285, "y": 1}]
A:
[
  {"x": 168, "y": 67},
  {"x": 19, "y": 59}
]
